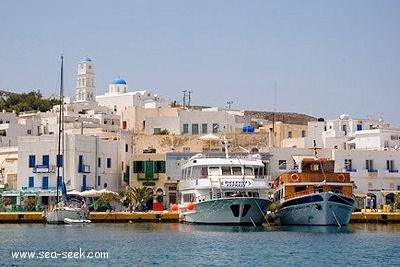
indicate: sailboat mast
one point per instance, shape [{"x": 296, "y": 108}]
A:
[{"x": 60, "y": 127}]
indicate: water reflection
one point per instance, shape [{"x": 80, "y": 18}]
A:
[
  {"x": 314, "y": 229},
  {"x": 222, "y": 228}
]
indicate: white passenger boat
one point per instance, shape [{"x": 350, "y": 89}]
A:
[
  {"x": 224, "y": 190},
  {"x": 314, "y": 195}
]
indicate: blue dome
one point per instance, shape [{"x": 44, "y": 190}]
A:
[
  {"x": 118, "y": 81},
  {"x": 86, "y": 59}
]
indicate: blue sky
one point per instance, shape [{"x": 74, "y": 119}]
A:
[{"x": 320, "y": 58}]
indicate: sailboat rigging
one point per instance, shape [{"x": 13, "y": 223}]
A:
[{"x": 63, "y": 212}]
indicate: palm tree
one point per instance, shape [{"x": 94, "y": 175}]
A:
[{"x": 137, "y": 196}]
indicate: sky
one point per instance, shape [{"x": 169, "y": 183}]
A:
[{"x": 320, "y": 58}]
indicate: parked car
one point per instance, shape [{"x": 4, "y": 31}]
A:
[{"x": 100, "y": 206}]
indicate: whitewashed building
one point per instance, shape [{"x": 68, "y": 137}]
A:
[
  {"x": 87, "y": 162},
  {"x": 118, "y": 98}
]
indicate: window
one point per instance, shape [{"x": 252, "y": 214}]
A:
[
  {"x": 237, "y": 171},
  {"x": 45, "y": 182},
  {"x": 282, "y": 164},
  {"x": 204, "y": 128},
  {"x": 303, "y": 133},
  {"x": 213, "y": 170},
  {"x": 348, "y": 165},
  {"x": 84, "y": 183},
  {"x": 160, "y": 166},
  {"x": 138, "y": 167},
  {"x": 195, "y": 128},
  {"x": 248, "y": 171},
  {"x": 186, "y": 149},
  {"x": 45, "y": 160},
  {"x": 32, "y": 161},
  {"x": 59, "y": 160},
  {"x": 369, "y": 165},
  {"x": 80, "y": 163},
  {"x": 99, "y": 162},
  {"x": 108, "y": 162},
  {"x": 226, "y": 170},
  {"x": 185, "y": 129},
  {"x": 359, "y": 127},
  {"x": 126, "y": 148},
  {"x": 215, "y": 127},
  {"x": 31, "y": 181},
  {"x": 289, "y": 134},
  {"x": 99, "y": 180},
  {"x": 390, "y": 166}
]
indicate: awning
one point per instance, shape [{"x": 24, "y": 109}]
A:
[
  {"x": 360, "y": 195},
  {"x": 385, "y": 193}
]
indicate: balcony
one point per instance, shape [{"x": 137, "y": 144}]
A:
[
  {"x": 84, "y": 168},
  {"x": 44, "y": 169}
]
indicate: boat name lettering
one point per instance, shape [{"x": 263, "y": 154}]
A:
[{"x": 235, "y": 183}]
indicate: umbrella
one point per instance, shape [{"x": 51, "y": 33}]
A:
[
  {"x": 90, "y": 193},
  {"x": 210, "y": 137},
  {"x": 74, "y": 192}
]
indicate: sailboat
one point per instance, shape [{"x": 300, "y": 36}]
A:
[{"x": 63, "y": 211}]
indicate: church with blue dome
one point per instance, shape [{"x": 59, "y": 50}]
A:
[{"x": 118, "y": 81}]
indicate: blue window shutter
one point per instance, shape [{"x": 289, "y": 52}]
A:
[
  {"x": 45, "y": 182},
  {"x": 59, "y": 181},
  {"x": 32, "y": 161},
  {"x": 31, "y": 181},
  {"x": 59, "y": 160},
  {"x": 84, "y": 183},
  {"x": 80, "y": 164},
  {"x": 46, "y": 161}
]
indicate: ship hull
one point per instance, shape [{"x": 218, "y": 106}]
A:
[
  {"x": 316, "y": 209},
  {"x": 228, "y": 211}
]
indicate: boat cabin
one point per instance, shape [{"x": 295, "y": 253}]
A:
[{"x": 315, "y": 175}]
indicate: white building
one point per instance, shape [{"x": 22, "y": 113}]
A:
[
  {"x": 197, "y": 122},
  {"x": 87, "y": 162},
  {"x": 338, "y": 132},
  {"x": 374, "y": 172},
  {"x": 118, "y": 98}
]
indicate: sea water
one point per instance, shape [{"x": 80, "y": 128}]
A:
[{"x": 175, "y": 244}]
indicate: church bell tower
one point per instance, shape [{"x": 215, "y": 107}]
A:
[{"x": 85, "y": 88}]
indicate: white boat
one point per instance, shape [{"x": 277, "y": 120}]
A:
[
  {"x": 314, "y": 195},
  {"x": 76, "y": 221},
  {"x": 63, "y": 209},
  {"x": 59, "y": 214},
  {"x": 224, "y": 190}
]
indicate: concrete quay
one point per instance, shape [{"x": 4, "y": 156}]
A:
[
  {"x": 168, "y": 216},
  {"x": 96, "y": 217}
]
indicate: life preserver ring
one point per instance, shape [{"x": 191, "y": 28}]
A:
[
  {"x": 341, "y": 178},
  {"x": 295, "y": 177}
]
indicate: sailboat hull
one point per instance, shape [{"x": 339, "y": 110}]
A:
[{"x": 59, "y": 214}]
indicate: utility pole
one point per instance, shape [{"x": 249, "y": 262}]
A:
[{"x": 186, "y": 93}]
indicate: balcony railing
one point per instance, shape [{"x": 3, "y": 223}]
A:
[
  {"x": 44, "y": 169},
  {"x": 84, "y": 169}
]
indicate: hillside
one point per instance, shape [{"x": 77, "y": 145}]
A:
[{"x": 285, "y": 117}]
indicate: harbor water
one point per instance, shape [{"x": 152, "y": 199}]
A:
[{"x": 176, "y": 244}]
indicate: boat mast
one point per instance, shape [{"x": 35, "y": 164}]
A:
[{"x": 60, "y": 126}]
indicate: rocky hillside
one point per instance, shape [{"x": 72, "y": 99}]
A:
[{"x": 285, "y": 117}]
